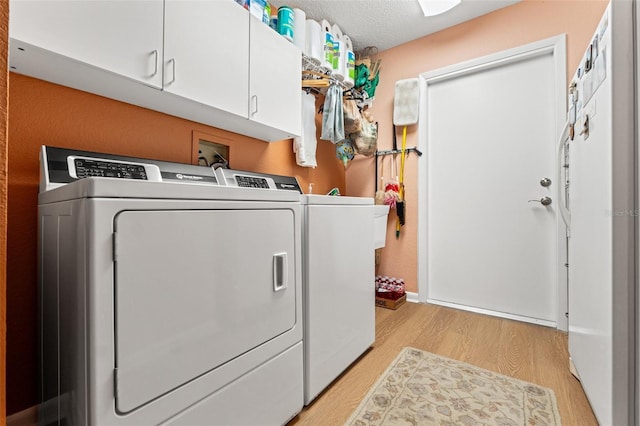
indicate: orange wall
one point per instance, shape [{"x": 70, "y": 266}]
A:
[
  {"x": 522, "y": 23},
  {"x": 46, "y": 114}
]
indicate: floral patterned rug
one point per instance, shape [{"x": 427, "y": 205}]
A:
[{"x": 420, "y": 388}]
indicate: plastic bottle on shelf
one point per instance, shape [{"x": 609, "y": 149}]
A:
[
  {"x": 327, "y": 47},
  {"x": 338, "y": 52},
  {"x": 273, "y": 19},
  {"x": 256, "y": 7},
  {"x": 350, "y": 62},
  {"x": 266, "y": 15}
]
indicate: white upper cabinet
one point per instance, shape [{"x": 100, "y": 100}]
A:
[
  {"x": 206, "y": 51},
  {"x": 274, "y": 63},
  {"x": 213, "y": 62},
  {"x": 124, "y": 37}
]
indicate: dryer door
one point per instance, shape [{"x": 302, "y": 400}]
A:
[{"x": 195, "y": 289}]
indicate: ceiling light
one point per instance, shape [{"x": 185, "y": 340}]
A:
[{"x": 436, "y": 7}]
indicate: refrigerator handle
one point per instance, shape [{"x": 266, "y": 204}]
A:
[{"x": 564, "y": 211}]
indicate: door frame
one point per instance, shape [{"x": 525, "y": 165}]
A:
[{"x": 557, "y": 47}]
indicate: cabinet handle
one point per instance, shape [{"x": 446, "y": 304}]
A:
[
  {"x": 155, "y": 63},
  {"x": 254, "y": 102},
  {"x": 173, "y": 73}
]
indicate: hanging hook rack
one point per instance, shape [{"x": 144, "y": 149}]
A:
[
  {"x": 398, "y": 151},
  {"x": 390, "y": 152}
]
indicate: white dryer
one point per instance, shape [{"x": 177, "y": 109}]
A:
[{"x": 174, "y": 301}]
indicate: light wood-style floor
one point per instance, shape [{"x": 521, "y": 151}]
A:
[{"x": 527, "y": 352}]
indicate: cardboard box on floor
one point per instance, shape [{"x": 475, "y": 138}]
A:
[{"x": 391, "y": 304}]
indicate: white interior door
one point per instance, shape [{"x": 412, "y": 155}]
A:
[{"x": 489, "y": 133}]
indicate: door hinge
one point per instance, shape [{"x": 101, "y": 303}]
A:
[
  {"x": 566, "y": 265},
  {"x": 566, "y": 314}
]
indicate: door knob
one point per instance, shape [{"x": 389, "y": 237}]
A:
[
  {"x": 545, "y": 201},
  {"x": 545, "y": 182}
]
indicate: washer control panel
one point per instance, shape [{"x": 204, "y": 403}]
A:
[
  {"x": 245, "y": 179},
  {"x": 252, "y": 182}
]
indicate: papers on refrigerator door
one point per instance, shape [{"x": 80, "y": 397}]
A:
[
  {"x": 600, "y": 69},
  {"x": 592, "y": 80},
  {"x": 587, "y": 87}
]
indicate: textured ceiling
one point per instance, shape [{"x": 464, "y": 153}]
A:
[{"x": 388, "y": 23}]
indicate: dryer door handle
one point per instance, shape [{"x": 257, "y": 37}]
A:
[{"x": 280, "y": 271}]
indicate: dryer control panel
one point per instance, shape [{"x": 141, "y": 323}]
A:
[
  {"x": 83, "y": 167},
  {"x": 59, "y": 166}
]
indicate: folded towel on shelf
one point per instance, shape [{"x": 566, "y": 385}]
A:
[{"x": 305, "y": 145}]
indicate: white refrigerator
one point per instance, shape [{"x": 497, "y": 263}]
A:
[{"x": 599, "y": 193}]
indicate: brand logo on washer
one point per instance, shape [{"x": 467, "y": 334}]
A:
[{"x": 188, "y": 177}]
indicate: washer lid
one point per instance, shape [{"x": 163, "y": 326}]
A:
[{"x": 312, "y": 199}]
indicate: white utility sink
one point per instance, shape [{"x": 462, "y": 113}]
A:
[{"x": 380, "y": 213}]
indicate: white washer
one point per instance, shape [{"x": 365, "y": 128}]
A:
[
  {"x": 167, "y": 302},
  {"x": 339, "y": 286},
  {"x": 339, "y": 238}
]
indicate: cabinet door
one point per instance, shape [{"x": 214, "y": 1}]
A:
[
  {"x": 206, "y": 51},
  {"x": 275, "y": 70},
  {"x": 124, "y": 37}
]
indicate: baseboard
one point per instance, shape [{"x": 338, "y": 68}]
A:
[
  {"x": 28, "y": 417},
  {"x": 412, "y": 297},
  {"x": 498, "y": 314}
]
